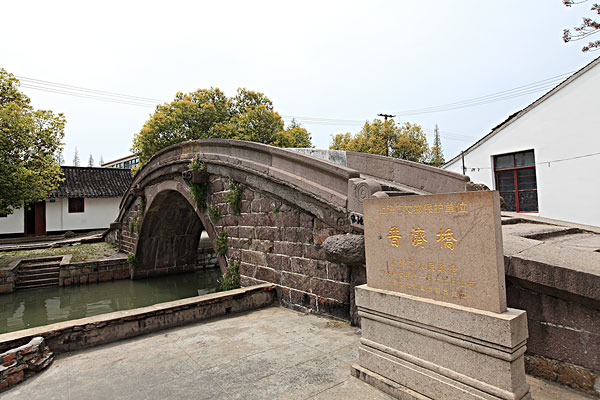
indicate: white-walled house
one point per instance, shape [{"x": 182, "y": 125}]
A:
[
  {"x": 88, "y": 199},
  {"x": 545, "y": 159}
]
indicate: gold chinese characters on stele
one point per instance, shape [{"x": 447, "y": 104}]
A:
[{"x": 445, "y": 247}]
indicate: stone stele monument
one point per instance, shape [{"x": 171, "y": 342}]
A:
[{"x": 433, "y": 312}]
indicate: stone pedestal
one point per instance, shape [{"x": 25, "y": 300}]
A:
[{"x": 416, "y": 348}]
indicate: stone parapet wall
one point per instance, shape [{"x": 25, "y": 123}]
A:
[
  {"x": 84, "y": 272},
  {"x": 420, "y": 176},
  {"x": 18, "y": 363}
]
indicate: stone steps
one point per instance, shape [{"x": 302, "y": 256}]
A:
[
  {"x": 38, "y": 275},
  {"x": 41, "y": 274},
  {"x": 36, "y": 284},
  {"x": 51, "y": 263}
]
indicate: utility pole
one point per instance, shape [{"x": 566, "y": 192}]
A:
[
  {"x": 436, "y": 139},
  {"x": 386, "y": 116}
]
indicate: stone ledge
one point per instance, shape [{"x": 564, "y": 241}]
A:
[
  {"x": 501, "y": 329},
  {"x": 107, "y": 328},
  {"x": 554, "y": 270}
]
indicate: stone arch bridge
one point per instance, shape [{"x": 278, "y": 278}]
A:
[{"x": 292, "y": 200}]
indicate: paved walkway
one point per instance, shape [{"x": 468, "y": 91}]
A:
[
  {"x": 44, "y": 242},
  {"x": 273, "y": 353}
]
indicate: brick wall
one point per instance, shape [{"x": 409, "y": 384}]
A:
[
  {"x": 280, "y": 244},
  {"x": 19, "y": 363}
]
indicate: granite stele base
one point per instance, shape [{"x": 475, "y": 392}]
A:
[{"x": 415, "y": 348}]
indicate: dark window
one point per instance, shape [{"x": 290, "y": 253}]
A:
[
  {"x": 515, "y": 180},
  {"x": 76, "y": 205}
]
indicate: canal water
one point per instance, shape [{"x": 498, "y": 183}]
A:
[{"x": 30, "y": 308}]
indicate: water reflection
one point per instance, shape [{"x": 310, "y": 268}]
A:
[{"x": 32, "y": 308}]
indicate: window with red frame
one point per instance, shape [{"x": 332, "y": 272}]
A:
[
  {"x": 76, "y": 205},
  {"x": 515, "y": 180}
]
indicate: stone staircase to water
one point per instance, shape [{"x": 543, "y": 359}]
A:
[{"x": 38, "y": 273}]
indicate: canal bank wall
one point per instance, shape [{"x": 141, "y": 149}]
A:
[
  {"x": 81, "y": 273},
  {"x": 106, "y": 328}
]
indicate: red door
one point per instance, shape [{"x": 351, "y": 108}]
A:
[{"x": 35, "y": 219}]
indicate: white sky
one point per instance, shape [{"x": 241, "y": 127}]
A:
[{"x": 332, "y": 59}]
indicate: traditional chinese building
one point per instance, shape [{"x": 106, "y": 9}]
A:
[
  {"x": 88, "y": 199},
  {"x": 544, "y": 158}
]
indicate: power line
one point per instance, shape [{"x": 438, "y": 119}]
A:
[
  {"x": 567, "y": 159},
  {"x": 546, "y": 162},
  {"x": 119, "y": 98},
  {"x": 87, "y": 96},
  {"x": 82, "y": 89},
  {"x": 146, "y": 102},
  {"x": 544, "y": 84}
]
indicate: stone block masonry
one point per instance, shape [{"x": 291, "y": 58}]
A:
[
  {"x": 81, "y": 273},
  {"x": 207, "y": 258},
  {"x": 19, "y": 363},
  {"x": 280, "y": 244}
]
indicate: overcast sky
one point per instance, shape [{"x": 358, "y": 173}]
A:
[{"x": 345, "y": 60}]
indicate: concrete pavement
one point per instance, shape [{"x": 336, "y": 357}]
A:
[{"x": 272, "y": 353}]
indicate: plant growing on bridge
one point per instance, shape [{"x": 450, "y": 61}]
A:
[
  {"x": 221, "y": 243},
  {"x": 231, "y": 278},
  {"x": 142, "y": 205},
  {"x": 234, "y": 197},
  {"x": 197, "y": 164},
  {"x": 134, "y": 224},
  {"x": 131, "y": 259},
  {"x": 199, "y": 191},
  {"x": 215, "y": 213}
]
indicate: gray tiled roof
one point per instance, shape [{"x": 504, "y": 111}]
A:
[{"x": 93, "y": 182}]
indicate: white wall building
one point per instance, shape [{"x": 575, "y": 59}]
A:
[
  {"x": 545, "y": 159},
  {"x": 127, "y": 162},
  {"x": 88, "y": 199}
]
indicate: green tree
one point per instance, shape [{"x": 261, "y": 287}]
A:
[
  {"x": 385, "y": 138},
  {"x": 294, "y": 136},
  {"x": 91, "y": 161},
  {"x": 587, "y": 28},
  {"x": 30, "y": 141},
  {"x": 209, "y": 113}
]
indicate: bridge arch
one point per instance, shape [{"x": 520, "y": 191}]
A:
[
  {"x": 169, "y": 233},
  {"x": 291, "y": 203}
]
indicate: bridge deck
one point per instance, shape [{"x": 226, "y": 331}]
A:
[{"x": 273, "y": 353}]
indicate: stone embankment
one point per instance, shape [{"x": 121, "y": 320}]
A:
[
  {"x": 106, "y": 328},
  {"x": 35, "y": 273}
]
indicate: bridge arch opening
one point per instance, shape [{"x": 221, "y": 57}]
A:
[{"x": 169, "y": 236}]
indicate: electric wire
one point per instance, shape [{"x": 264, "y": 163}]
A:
[
  {"x": 545, "y": 162},
  {"x": 82, "y": 89},
  {"x": 139, "y": 101},
  {"x": 518, "y": 91}
]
